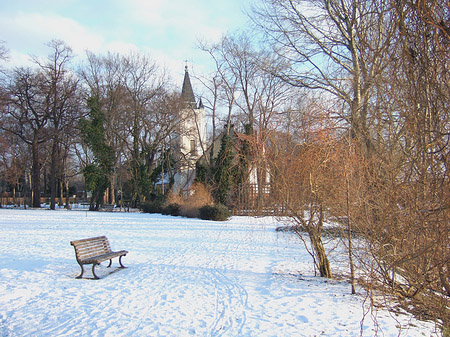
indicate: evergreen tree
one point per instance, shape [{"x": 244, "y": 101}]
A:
[
  {"x": 245, "y": 157},
  {"x": 98, "y": 173},
  {"x": 223, "y": 170}
]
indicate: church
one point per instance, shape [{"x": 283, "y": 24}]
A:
[
  {"x": 189, "y": 144},
  {"x": 190, "y": 137}
]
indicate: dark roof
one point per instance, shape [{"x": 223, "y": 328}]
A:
[
  {"x": 200, "y": 104},
  {"x": 186, "y": 92}
]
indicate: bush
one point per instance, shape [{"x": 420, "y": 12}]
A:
[
  {"x": 198, "y": 196},
  {"x": 217, "y": 212},
  {"x": 173, "y": 198},
  {"x": 150, "y": 207},
  {"x": 198, "y": 204},
  {"x": 189, "y": 211},
  {"x": 154, "y": 206},
  {"x": 172, "y": 209}
]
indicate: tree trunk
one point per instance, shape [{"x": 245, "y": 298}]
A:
[
  {"x": 67, "y": 195},
  {"x": 61, "y": 193},
  {"x": 112, "y": 195},
  {"x": 322, "y": 259},
  {"x": 315, "y": 236},
  {"x": 53, "y": 176},
  {"x": 350, "y": 243},
  {"x": 36, "y": 174}
]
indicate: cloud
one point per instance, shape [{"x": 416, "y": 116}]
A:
[
  {"x": 120, "y": 47},
  {"x": 167, "y": 30},
  {"x": 144, "y": 11},
  {"x": 28, "y": 34},
  {"x": 18, "y": 59},
  {"x": 173, "y": 23}
]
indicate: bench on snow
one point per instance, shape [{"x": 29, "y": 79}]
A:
[
  {"x": 108, "y": 207},
  {"x": 94, "y": 251}
]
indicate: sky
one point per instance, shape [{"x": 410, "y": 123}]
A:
[{"x": 166, "y": 30}]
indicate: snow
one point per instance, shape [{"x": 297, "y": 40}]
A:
[{"x": 185, "y": 277}]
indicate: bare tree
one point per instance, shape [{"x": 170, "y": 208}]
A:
[
  {"x": 27, "y": 116},
  {"x": 435, "y": 13},
  {"x": 256, "y": 94},
  {"x": 140, "y": 115},
  {"x": 13, "y": 162},
  {"x": 406, "y": 220},
  {"x": 225, "y": 84},
  {"x": 302, "y": 176},
  {"x": 60, "y": 88},
  {"x": 43, "y": 104},
  {"x": 338, "y": 47},
  {"x": 3, "y": 51},
  {"x": 212, "y": 83},
  {"x": 255, "y": 97},
  {"x": 150, "y": 125},
  {"x": 4, "y": 55}
]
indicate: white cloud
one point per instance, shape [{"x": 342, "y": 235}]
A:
[
  {"x": 30, "y": 32},
  {"x": 174, "y": 22},
  {"x": 144, "y": 11},
  {"x": 18, "y": 59},
  {"x": 120, "y": 47},
  {"x": 167, "y": 30}
]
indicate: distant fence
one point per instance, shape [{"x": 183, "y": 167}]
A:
[
  {"x": 7, "y": 200},
  {"x": 255, "y": 201}
]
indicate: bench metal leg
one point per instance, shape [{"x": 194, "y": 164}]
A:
[
  {"x": 93, "y": 268},
  {"x": 93, "y": 271},
  {"x": 120, "y": 261},
  {"x": 82, "y": 272}
]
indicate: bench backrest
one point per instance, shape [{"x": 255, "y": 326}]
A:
[{"x": 87, "y": 248}]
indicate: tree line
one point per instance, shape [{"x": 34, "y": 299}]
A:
[{"x": 106, "y": 120}]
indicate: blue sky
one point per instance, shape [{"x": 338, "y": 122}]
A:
[{"x": 166, "y": 30}]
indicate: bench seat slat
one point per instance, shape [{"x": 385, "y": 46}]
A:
[
  {"x": 92, "y": 244},
  {"x": 99, "y": 245},
  {"x": 97, "y": 238},
  {"x": 103, "y": 257},
  {"x": 93, "y": 250}
]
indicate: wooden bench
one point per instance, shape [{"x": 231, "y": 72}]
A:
[
  {"x": 108, "y": 207},
  {"x": 94, "y": 251}
]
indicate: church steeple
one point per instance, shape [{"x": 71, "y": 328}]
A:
[
  {"x": 190, "y": 136},
  {"x": 186, "y": 92}
]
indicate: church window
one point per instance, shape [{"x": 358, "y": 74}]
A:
[{"x": 193, "y": 147}]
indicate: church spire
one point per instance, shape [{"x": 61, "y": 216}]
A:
[{"x": 186, "y": 92}]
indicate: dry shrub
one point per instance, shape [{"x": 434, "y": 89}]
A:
[
  {"x": 199, "y": 195},
  {"x": 174, "y": 198}
]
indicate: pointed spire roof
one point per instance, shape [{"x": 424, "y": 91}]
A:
[
  {"x": 200, "y": 104},
  {"x": 186, "y": 92}
]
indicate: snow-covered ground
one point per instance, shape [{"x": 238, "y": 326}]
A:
[{"x": 185, "y": 277}]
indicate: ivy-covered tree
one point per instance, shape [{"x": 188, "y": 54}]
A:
[
  {"x": 223, "y": 170},
  {"x": 98, "y": 173},
  {"x": 245, "y": 157}
]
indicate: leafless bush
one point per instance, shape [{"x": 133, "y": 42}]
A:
[{"x": 200, "y": 195}]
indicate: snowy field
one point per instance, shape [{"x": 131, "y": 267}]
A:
[{"x": 185, "y": 277}]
